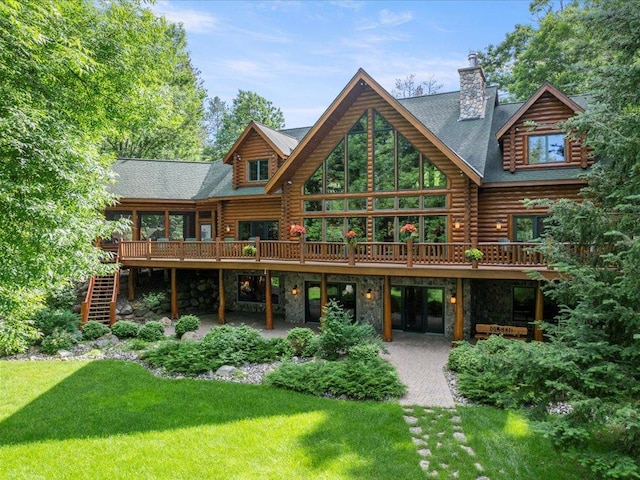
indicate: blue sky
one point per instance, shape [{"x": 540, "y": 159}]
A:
[{"x": 300, "y": 54}]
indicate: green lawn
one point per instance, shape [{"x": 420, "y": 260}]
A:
[{"x": 109, "y": 419}]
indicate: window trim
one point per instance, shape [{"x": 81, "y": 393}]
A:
[
  {"x": 258, "y": 162},
  {"x": 567, "y": 150}
]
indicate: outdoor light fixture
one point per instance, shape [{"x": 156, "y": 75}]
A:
[
  {"x": 453, "y": 300},
  {"x": 499, "y": 224},
  {"x": 368, "y": 295},
  {"x": 294, "y": 290},
  {"x": 227, "y": 228},
  {"x": 456, "y": 223}
]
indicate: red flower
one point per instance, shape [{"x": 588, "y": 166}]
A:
[
  {"x": 350, "y": 235},
  {"x": 408, "y": 228},
  {"x": 298, "y": 230}
]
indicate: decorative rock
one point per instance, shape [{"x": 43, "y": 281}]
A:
[
  {"x": 469, "y": 450},
  {"x": 64, "y": 353},
  {"x": 444, "y": 466},
  {"x": 424, "y": 464},
  {"x": 480, "y": 469},
  {"x": 127, "y": 309},
  {"x": 227, "y": 371},
  {"x": 418, "y": 441},
  {"x": 438, "y": 445},
  {"x": 415, "y": 430},
  {"x": 455, "y": 474},
  {"x": 428, "y": 410},
  {"x": 483, "y": 477},
  {"x": 461, "y": 437},
  {"x": 408, "y": 410},
  {"x": 441, "y": 434},
  {"x": 166, "y": 321},
  {"x": 410, "y": 420},
  {"x": 106, "y": 340},
  {"x": 424, "y": 452},
  {"x": 456, "y": 419},
  {"x": 189, "y": 336}
]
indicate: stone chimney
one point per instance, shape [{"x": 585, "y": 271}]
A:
[{"x": 473, "y": 95}]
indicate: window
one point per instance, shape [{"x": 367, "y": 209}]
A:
[
  {"x": 344, "y": 293},
  {"x": 524, "y": 304},
  {"x": 115, "y": 216},
  {"x": 527, "y": 228},
  {"x": 265, "y": 229},
  {"x": 546, "y": 148},
  {"x": 251, "y": 288},
  {"x": 431, "y": 228},
  {"x": 181, "y": 225},
  {"x": 151, "y": 225},
  {"x": 258, "y": 170}
]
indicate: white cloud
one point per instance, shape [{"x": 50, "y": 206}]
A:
[
  {"x": 194, "y": 21},
  {"x": 388, "y": 18}
]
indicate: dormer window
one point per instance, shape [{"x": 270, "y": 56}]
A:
[
  {"x": 546, "y": 148},
  {"x": 258, "y": 170}
]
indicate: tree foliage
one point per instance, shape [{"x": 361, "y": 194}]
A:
[
  {"x": 546, "y": 52},
  {"x": 407, "y": 87},
  {"x": 246, "y": 106},
  {"x": 598, "y": 332},
  {"x": 72, "y": 75}
]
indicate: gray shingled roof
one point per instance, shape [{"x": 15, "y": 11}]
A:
[
  {"x": 468, "y": 138},
  {"x": 473, "y": 140},
  {"x": 285, "y": 143}
]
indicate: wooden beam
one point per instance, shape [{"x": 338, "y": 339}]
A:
[
  {"x": 324, "y": 296},
  {"x": 268, "y": 307},
  {"x": 387, "y": 335},
  {"x": 539, "y": 313},
  {"x": 458, "y": 324},
  {"x": 174, "y": 295},
  {"x": 221, "y": 299},
  {"x": 131, "y": 285}
]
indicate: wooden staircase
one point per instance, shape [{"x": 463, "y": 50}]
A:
[{"x": 100, "y": 303}]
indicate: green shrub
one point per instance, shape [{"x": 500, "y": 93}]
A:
[
  {"x": 49, "y": 319},
  {"x": 151, "y": 332},
  {"x": 136, "y": 344},
  {"x": 187, "y": 358},
  {"x": 93, "y": 330},
  {"x": 301, "y": 341},
  {"x": 187, "y": 323},
  {"x": 249, "y": 250},
  {"x": 339, "y": 332},
  {"x": 16, "y": 336},
  {"x": 364, "y": 352},
  {"x": 58, "y": 340},
  {"x": 125, "y": 329},
  {"x": 374, "y": 379},
  {"x": 153, "y": 300},
  {"x": 235, "y": 345}
]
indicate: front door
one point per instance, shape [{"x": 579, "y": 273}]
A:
[{"x": 417, "y": 309}]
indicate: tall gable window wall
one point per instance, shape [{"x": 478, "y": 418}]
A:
[{"x": 339, "y": 195}]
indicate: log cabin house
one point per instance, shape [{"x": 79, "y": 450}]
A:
[{"x": 454, "y": 165}]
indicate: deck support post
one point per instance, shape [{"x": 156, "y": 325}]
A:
[
  {"x": 268, "y": 307},
  {"x": 458, "y": 324},
  {"x": 221, "y": 300},
  {"x": 386, "y": 315},
  {"x": 174, "y": 295},
  {"x": 539, "y": 313},
  {"x": 131, "y": 283},
  {"x": 324, "y": 296}
]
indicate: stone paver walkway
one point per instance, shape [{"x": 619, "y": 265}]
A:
[{"x": 420, "y": 361}]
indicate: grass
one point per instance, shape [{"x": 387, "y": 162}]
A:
[{"x": 110, "y": 419}]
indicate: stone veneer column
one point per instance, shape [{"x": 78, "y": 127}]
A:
[{"x": 473, "y": 94}]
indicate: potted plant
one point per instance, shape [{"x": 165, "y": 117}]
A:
[
  {"x": 249, "y": 250},
  {"x": 407, "y": 231},
  {"x": 297, "y": 230},
  {"x": 351, "y": 238},
  {"x": 473, "y": 254}
]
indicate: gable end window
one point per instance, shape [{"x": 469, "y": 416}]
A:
[
  {"x": 546, "y": 148},
  {"x": 258, "y": 170}
]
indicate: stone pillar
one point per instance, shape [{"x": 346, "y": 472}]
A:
[{"x": 473, "y": 94}]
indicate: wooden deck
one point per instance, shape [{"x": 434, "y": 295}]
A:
[{"x": 368, "y": 257}]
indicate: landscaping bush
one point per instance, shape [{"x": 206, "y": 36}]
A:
[
  {"x": 339, "y": 332},
  {"x": 93, "y": 330},
  {"x": 186, "y": 358},
  {"x": 236, "y": 345},
  {"x": 364, "y": 352},
  {"x": 151, "y": 332},
  {"x": 125, "y": 329},
  {"x": 301, "y": 341},
  {"x": 187, "y": 323},
  {"x": 373, "y": 379},
  {"x": 16, "y": 335},
  {"x": 58, "y": 340},
  {"x": 49, "y": 319}
]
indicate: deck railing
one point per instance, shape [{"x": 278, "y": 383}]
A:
[{"x": 300, "y": 251}]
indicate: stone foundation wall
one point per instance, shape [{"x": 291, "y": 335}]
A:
[{"x": 492, "y": 301}]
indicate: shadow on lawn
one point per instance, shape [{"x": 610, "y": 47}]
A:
[{"x": 107, "y": 398}]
